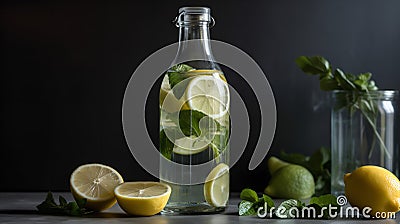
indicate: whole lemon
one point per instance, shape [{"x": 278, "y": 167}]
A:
[{"x": 374, "y": 187}]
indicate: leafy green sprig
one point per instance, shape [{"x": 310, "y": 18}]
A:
[
  {"x": 359, "y": 88},
  {"x": 335, "y": 79},
  {"x": 251, "y": 203},
  {"x": 75, "y": 208}
]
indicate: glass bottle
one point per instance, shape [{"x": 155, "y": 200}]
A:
[{"x": 194, "y": 121}]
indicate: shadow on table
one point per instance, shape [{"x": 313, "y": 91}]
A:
[{"x": 35, "y": 212}]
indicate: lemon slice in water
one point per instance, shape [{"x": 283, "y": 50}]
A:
[
  {"x": 216, "y": 188},
  {"x": 208, "y": 94},
  {"x": 190, "y": 145}
]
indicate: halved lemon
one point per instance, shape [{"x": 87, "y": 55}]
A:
[
  {"x": 96, "y": 183},
  {"x": 208, "y": 94},
  {"x": 142, "y": 198},
  {"x": 216, "y": 188}
]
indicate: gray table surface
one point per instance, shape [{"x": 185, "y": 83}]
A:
[{"x": 20, "y": 208}]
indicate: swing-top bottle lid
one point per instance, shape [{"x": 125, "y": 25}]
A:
[{"x": 193, "y": 15}]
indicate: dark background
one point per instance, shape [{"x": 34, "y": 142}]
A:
[{"x": 65, "y": 65}]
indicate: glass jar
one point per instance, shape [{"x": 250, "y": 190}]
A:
[
  {"x": 364, "y": 131},
  {"x": 194, "y": 121}
]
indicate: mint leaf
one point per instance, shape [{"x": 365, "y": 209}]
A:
[
  {"x": 81, "y": 202},
  {"x": 166, "y": 147},
  {"x": 343, "y": 80},
  {"x": 349, "y": 82},
  {"x": 50, "y": 199},
  {"x": 317, "y": 161},
  {"x": 221, "y": 138},
  {"x": 313, "y": 65},
  {"x": 189, "y": 122},
  {"x": 328, "y": 84},
  {"x": 284, "y": 210},
  {"x": 324, "y": 200},
  {"x": 246, "y": 208},
  {"x": 249, "y": 195},
  {"x": 49, "y": 206},
  {"x": 177, "y": 74},
  {"x": 265, "y": 199},
  {"x": 62, "y": 200},
  {"x": 264, "y": 205},
  {"x": 251, "y": 203}
]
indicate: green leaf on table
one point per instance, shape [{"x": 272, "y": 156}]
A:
[
  {"x": 324, "y": 200},
  {"x": 246, "y": 208},
  {"x": 81, "y": 202},
  {"x": 322, "y": 203},
  {"x": 73, "y": 209},
  {"x": 62, "y": 200},
  {"x": 49, "y": 206},
  {"x": 266, "y": 199},
  {"x": 249, "y": 195},
  {"x": 284, "y": 210}
]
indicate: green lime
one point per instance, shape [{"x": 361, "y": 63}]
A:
[
  {"x": 274, "y": 164},
  {"x": 291, "y": 181}
]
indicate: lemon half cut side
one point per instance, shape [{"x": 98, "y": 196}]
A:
[
  {"x": 142, "y": 198},
  {"x": 96, "y": 183}
]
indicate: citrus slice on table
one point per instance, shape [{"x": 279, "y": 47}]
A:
[
  {"x": 216, "y": 188},
  {"x": 96, "y": 183},
  {"x": 208, "y": 94},
  {"x": 142, "y": 198}
]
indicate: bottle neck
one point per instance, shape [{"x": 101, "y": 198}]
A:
[
  {"x": 194, "y": 32},
  {"x": 199, "y": 50}
]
